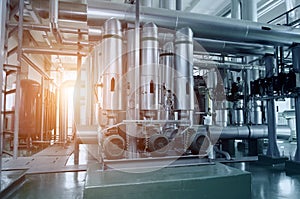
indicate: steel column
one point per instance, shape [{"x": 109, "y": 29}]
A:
[
  {"x": 17, "y": 98},
  {"x": 3, "y": 10}
]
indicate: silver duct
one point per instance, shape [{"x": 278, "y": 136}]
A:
[
  {"x": 184, "y": 81},
  {"x": 66, "y": 10},
  {"x": 239, "y": 48},
  {"x": 112, "y": 66},
  {"x": 236, "y": 9},
  {"x": 149, "y": 68},
  {"x": 168, "y": 4},
  {"x": 203, "y": 26},
  {"x": 248, "y": 132},
  {"x": 147, "y": 3}
]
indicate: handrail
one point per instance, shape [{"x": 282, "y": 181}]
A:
[{"x": 283, "y": 14}]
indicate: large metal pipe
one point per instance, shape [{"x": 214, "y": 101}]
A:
[
  {"x": 236, "y": 9},
  {"x": 149, "y": 68},
  {"x": 112, "y": 66},
  {"x": 168, "y": 4},
  {"x": 239, "y": 48},
  {"x": 249, "y": 10},
  {"x": 147, "y": 3},
  {"x": 50, "y": 51},
  {"x": 248, "y": 132},
  {"x": 184, "y": 81},
  {"x": 67, "y": 10},
  {"x": 273, "y": 150},
  {"x": 203, "y": 26}
]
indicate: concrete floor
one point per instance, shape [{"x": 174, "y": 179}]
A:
[{"x": 267, "y": 182}]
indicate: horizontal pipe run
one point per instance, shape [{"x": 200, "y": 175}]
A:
[
  {"x": 248, "y": 132},
  {"x": 46, "y": 28},
  {"x": 67, "y": 10},
  {"x": 53, "y": 52},
  {"x": 217, "y": 46},
  {"x": 203, "y": 26},
  {"x": 229, "y": 132}
]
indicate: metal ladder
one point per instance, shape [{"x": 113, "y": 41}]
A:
[{"x": 10, "y": 69}]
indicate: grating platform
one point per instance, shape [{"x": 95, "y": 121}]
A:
[
  {"x": 52, "y": 159},
  {"x": 207, "y": 181}
]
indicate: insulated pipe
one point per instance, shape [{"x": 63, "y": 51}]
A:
[
  {"x": 168, "y": 4},
  {"x": 272, "y": 150},
  {"x": 203, "y": 26},
  {"x": 247, "y": 132},
  {"x": 249, "y": 10},
  {"x": 147, "y": 3},
  {"x": 218, "y": 46},
  {"x": 112, "y": 66},
  {"x": 236, "y": 9},
  {"x": 179, "y": 5},
  {"x": 184, "y": 81},
  {"x": 149, "y": 68},
  {"x": 66, "y": 10}
]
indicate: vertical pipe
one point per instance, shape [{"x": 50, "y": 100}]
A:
[
  {"x": 272, "y": 146},
  {"x": 167, "y": 79},
  {"x": 168, "y": 4},
  {"x": 53, "y": 17},
  {"x": 43, "y": 107},
  {"x": 147, "y": 3},
  {"x": 236, "y": 9},
  {"x": 249, "y": 10},
  {"x": 3, "y": 15},
  {"x": 149, "y": 70},
  {"x": 179, "y": 5},
  {"x": 296, "y": 66},
  {"x": 17, "y": 98},
  {"x": 184, "y": 80}
]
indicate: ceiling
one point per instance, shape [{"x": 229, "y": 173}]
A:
[{"x": 267, "y": 10}]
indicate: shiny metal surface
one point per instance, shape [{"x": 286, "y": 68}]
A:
[
  {"x": 273, "y": 150},
  {"x": 247, "y": 132},
  {"x": 203, "y": 26},
  {"x": 147, "y": 3},
  {"x": 184, "y": 81},
  {"x": 166, "y": 74},
  {"x": 67, "y": 10},
  {"x": 168, "y": 4},
  {"x": 112, "y": 70},
  {"x": 149, "y": 68},
  {"x": 239, "y": 48}
]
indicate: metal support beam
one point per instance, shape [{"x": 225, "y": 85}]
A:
[
  {"x": 3, "y": 14},
  {"x": 296, "y": 66},
  {"x": 18, "y": 91},
  {"x": 272, "y": 146}
]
